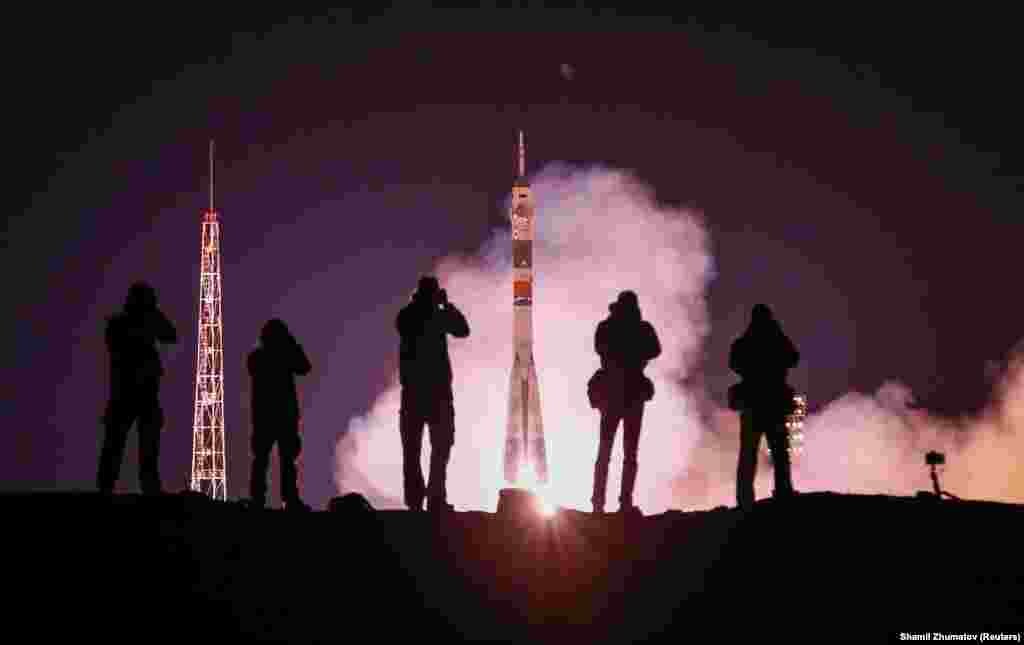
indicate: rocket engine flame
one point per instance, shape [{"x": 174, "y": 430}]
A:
[{"x": 528, "y": 479}]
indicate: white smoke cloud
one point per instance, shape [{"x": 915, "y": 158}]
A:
[
  {"x": 601, "y": 231},
  {"x": 876, "y": 444},
  {"x": 598, "y": 232}
]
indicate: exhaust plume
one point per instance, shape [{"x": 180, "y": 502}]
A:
[
  {"x": 599, "y": 232},
  {"x": 877, "y": 444}
]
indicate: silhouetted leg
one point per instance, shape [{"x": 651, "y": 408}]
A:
[
  {"x": 289, "y": 444},
  {"x": 411, "y": 429},
  {"x": 262, "y": 444},
  {"x": 746, "y": 470},
  {"x": 151, "y": 422},
  {"x": 609, "y": 424},
  {"x": 442, "y": 438},
  {"x": 778, "y": 442},
  {"x": 631, "y": 423},
  {"x": 117, "y": 420}
]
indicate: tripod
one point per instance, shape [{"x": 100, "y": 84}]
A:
[
  {"x": 934, "y": 460},
  {"x": 939, "y": 492}
]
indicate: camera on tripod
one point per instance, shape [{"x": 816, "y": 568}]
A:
[{"x": 933, "y": 459}]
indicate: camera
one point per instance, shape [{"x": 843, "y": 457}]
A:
[{"x": 935, "y": 458}]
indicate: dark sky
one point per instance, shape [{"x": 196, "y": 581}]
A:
[{"x": 861, "y": 174}]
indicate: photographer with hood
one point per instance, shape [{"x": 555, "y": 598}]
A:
[
  {"x": 273, "y": 366},
  {"x": 762, "y": 357},
  {"x": 135, "y": 373},
  {"x": 625, "y": 343}
]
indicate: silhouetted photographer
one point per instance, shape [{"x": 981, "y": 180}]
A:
[
  {"x": 273, "y": 367},
  {"x": 425, "y": 372},
  {"x": 619, "y": 389},
  {"x": 135, "y": 372},
  {"x": 762, "y": 357}
]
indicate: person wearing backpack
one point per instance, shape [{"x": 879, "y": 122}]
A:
[{"x": 625, "y": 343}]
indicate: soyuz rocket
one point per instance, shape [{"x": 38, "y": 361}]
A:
[{"x": 524, "y": 437}]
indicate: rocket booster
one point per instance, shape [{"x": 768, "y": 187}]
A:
[{"x": 525, "y": 453}]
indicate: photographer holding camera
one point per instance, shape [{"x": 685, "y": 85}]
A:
[
  {"x": 273, "y": 367},
  {"x": 425, "y": 372},
  {"x": 135, "y": 372}
]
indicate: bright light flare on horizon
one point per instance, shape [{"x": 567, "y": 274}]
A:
[{"x": 528, "y": 480}]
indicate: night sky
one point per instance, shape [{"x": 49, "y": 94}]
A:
[{"x": 862, "y": 175}]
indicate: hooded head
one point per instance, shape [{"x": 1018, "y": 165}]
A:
[
  {"x": 627, "y": 304},
  {"x": 141, "y": 297},
  {"x": 762, "y": 320},
  {"x": 273, "y": 332},
  {"x": 427, "y": 289},
  {"x": 761, "y": 313}
]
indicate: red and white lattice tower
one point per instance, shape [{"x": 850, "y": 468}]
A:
[
  {"x": 794, "y": 428},
  {"x": 208, "y": 472}
]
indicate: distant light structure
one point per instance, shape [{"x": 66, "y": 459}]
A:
[
  {"x": 794, "y": 427},
  {"x": 795, "y": 424},
  {"x": 208, "y": 471}
]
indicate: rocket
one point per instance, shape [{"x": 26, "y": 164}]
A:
[{"x": 525, "y": 454}]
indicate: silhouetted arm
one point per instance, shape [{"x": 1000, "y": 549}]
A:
[
  {"x": 163, "y": 329},
  {"x": 110, "y": 333},
  {"x": 792, "y": 356},
  {"x": 652, "y": 348},
  {"x": 455, "y": 322},
  {"x": 302, "y": 365},
  {"x": 403, "y": 321},
  {"x": 736, "y": 358},
  {"x": 601, "y": 340},
  {"x": 251, "y": 362}
]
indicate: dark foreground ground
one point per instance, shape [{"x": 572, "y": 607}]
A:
[{"x": 824, "y": 568}]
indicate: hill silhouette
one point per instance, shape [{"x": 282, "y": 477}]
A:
[{"x": 135, "y": 569}]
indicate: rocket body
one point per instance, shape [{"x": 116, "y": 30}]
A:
[{"x": 525, "y": 453}]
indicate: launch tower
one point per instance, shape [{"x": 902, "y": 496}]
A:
[{"x": 208, "y": 473}]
